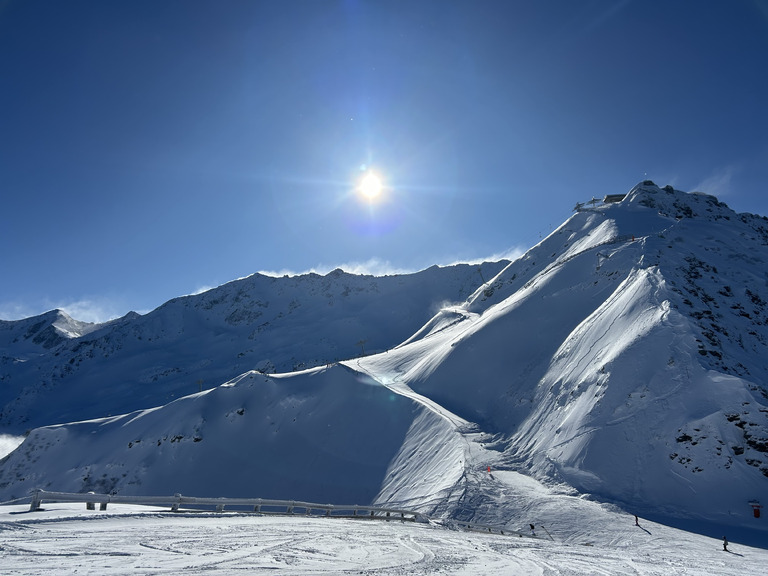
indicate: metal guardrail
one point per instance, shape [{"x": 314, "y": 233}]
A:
[
  {"x": 499, "y": 530},
  {"x": 487, "y": 529},
  {"x": 179, "y": 503}
]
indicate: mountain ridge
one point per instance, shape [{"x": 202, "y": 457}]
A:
[
  {"x": 619, "y": 359},
  {"x": 199, "y": 341}
]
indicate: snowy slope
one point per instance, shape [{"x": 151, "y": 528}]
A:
[
  {"x": 322, "y": 435},
  {"x": 127, "y": 540},
  {"x": 600, "y": 359},
  {"x": 620, "y": 359},
  {"x": 50, "y": 364}
]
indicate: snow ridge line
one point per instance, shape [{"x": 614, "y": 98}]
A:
[{"x": 401, "y": 388}]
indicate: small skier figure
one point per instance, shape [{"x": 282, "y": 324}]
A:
[
  {"x": 725, "y": 544},
  {"x": 533, "y": 529},
  {"x": 636, "y": 522}
]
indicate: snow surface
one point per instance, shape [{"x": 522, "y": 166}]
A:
[
  {"x": 620, "y": 360},
  {"x": 65, "y": 538}
]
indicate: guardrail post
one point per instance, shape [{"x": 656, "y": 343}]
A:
[
  {"x": 36, "y": 501},
  {"x": 175, "y": 506},
  {"x": 103, "y": 506},
  {"x": 90, "y": 505}
]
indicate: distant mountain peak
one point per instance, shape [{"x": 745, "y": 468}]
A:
[{"x": 19, "y": 338}]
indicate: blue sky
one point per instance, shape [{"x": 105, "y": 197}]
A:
[{"x": 152, "y": 149}]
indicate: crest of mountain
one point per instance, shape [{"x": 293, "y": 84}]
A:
[
  {"x": 620, "y": 359},
  {"x": 54, "y": 369},
  {"x": 33, "y": 336}
]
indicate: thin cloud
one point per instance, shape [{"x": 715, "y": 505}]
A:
[
  {"x": 16, "y": 311},
  {"x": 372, "y": 267},
  {"x": 91, "y": 310},
  {"x": 281, "y": 273},
  {"x": 202, "y": 289},
  {"x": 510, "y": 254},
  {"x": 719, "y": 183}
]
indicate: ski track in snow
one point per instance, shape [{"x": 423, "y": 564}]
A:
[{"x": 65, "y": 538}]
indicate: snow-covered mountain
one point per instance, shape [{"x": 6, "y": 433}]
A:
[
  {"x": 54, "y": 369},
  {"x": 621, "y": 358},
  {"x": 623, "y": 355}
]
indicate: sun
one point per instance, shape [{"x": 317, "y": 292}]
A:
[{"x": 371, "y": 186}]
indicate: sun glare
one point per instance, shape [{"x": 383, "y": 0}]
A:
[{"x": 370, "y": 186}]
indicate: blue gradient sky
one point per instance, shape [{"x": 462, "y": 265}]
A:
[{"x": 151, "y": 149}]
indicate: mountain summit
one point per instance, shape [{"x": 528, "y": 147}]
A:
[{"x": 621, "y": 358}]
